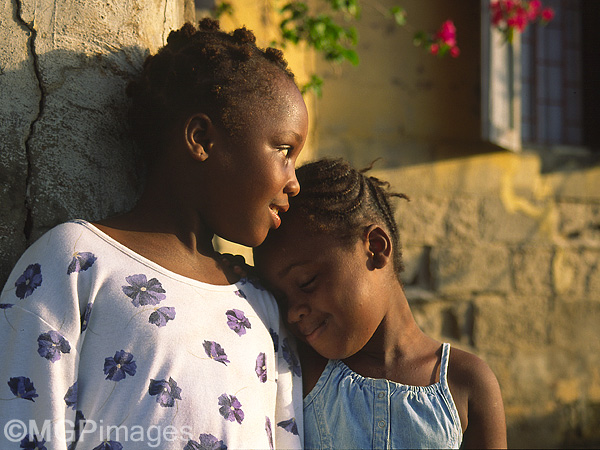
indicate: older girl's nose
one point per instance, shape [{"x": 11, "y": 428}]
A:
[{"x": 292, "y": 187}]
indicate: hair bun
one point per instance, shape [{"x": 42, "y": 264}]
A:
[
  {"x": 208, "y": 24},
  {"x": 179, "y": 37},
  {"x": 244, "y": 36}
]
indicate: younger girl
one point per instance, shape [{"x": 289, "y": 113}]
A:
[
  {"x": 128, "y": 333},
  {"x": 377, "y": 381}
]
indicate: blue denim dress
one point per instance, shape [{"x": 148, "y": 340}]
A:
[{"x": 348, "y": 411}]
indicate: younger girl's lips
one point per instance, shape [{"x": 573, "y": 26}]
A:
[{"x": 316, "y": 332}]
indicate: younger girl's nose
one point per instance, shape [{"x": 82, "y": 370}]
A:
[{"x": 295, "y": 313}]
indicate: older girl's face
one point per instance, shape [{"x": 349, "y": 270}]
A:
[{"x": 251, "y": 177}]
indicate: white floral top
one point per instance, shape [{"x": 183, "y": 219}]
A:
[{"x": 104, "y": 349}]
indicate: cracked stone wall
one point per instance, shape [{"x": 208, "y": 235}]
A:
[{"x": 64, "y": 146}]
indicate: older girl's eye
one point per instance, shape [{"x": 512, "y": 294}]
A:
[{"x": 285, "y": 150}]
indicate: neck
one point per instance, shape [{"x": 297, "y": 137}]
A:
[
  {"x": 166, "y": 210},
  {"x": 398, "y": 331}
]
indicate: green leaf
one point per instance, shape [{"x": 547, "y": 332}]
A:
[
  {"x": 399, "y": 15},
  {"x": 222, "y": 8},
  {"x": 314, "y": 84},
  {"x": 351, "y": 56},
  {"x": 420, "y": 38}
]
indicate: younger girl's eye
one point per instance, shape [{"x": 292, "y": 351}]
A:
[{"x": 308, "y": 284}]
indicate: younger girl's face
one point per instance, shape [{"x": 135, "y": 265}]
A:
[
  {"x": 324, "y": 289},
  {"x": 251, "y": 177}
]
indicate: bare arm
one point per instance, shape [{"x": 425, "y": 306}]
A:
[{"x": 479, "y": 401}]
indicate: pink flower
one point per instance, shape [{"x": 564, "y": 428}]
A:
[
  {"x": 547, "y": 14},
  {"x": 434, "y": 49},
  {"x": 511, "y": 15},
  {"x": 497, "y": 17},
  {"x": 454, "y": 52},
  {"x": 519, "y": 22},
  {"x": 534, "y": 9},
  {"x": 447, "y": 33}
]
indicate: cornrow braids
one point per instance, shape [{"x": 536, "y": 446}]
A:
[
  {"x": 339, "y": 200},
  {"x": 202, "y": 70}
]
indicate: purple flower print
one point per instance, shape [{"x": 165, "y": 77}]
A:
[
  {"x": 109, "y": 445},
  {"x": 6, "y": 305},
  {"x": 275, "y": 338},
  {"x": 237, "y": 321},
  {"x": 81, "y": 261},
  {"x": 240, "y": 293},
  {"x": 79, "y": 425},
  {"x": 261, "y": 367},
  {"x": 34, "y": 444},
  {"x": 117, "y": 367},
  {"x": 269, "y": 431},
  {"x": 231, "y": 408},
  {"x": 51, "y": 345},
  {"x": 29, "y": 281},
  {"x": 215, "y": 351},
  {"x": 253, "y": 281},
  {"x": 86, "y": 317},
  {"x": 207, "y": 442},
  {"x": 71, "y": 397},
  {"x": 162, "y": 315},
  {"x": 291, "y": 358},
  {"x": 289, "y": 425},
  {"x": 22, "y": 387},
  {"x": 166, "y": 391},
  {"x": 143, "y": 291}
]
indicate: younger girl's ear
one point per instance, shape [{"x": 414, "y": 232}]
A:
[
  {"x": 378, "y": 244},
  {"x": 199, "y": 133}
]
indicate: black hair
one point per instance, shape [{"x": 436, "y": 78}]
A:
[
  {"x": 339, "y": 200},
  {"x": 202, "y": 70}
]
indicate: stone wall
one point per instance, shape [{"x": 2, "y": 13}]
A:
[
  {"x": 64, "y": 150},
  {"x": 504, "y": 261}
]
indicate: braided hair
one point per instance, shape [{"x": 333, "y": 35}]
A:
[
  {"x": 339, "y": 200},
  {"x": 202, "y": 70}
]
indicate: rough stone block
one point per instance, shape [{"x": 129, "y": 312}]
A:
[
  {"x": 416, "y": 260},
  {"x": 579, "y": 223},
  {"x": 574, "y": 328},
  {"x": 510, "y": 325},
  {"x": 576, "y": 273},
  {"x": 458, "y": 269},
  {"x": 422, "y": 220},
  {"x": 499, "y": 222},
  {"x": 462, "y": 220},
  {"x": 532, "y": 270}
]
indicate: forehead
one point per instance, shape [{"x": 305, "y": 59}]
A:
[{"x": 289, "y": 244}]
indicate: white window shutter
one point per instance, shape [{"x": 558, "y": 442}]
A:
[{"x": 500, "y": 85}]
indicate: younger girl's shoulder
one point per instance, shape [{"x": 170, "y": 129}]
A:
[
  {"x": 477, "y": 396},
  {"x": 468, "y": 370}
]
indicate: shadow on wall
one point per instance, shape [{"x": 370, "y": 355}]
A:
[
  {"x": 575, "y": 426},
  {"x": 65, "y": 146}
]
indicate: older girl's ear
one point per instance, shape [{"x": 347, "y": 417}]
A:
[
  {"x": 378, "y": 246},
  {"x": 199, "y": 136}
]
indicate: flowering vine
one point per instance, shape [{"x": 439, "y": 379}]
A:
[
  {"x": 326, "y": 26},
  {"x": 442, "y": 42},
  {"x": 510, "y": 16}
]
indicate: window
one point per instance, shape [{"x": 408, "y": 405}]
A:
[{"x": 541, "y": 90}]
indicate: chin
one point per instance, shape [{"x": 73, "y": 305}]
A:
[{"x": 249, "y": 241}]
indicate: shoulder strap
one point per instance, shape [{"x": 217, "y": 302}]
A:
[{"x": 444, "y": 363}]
